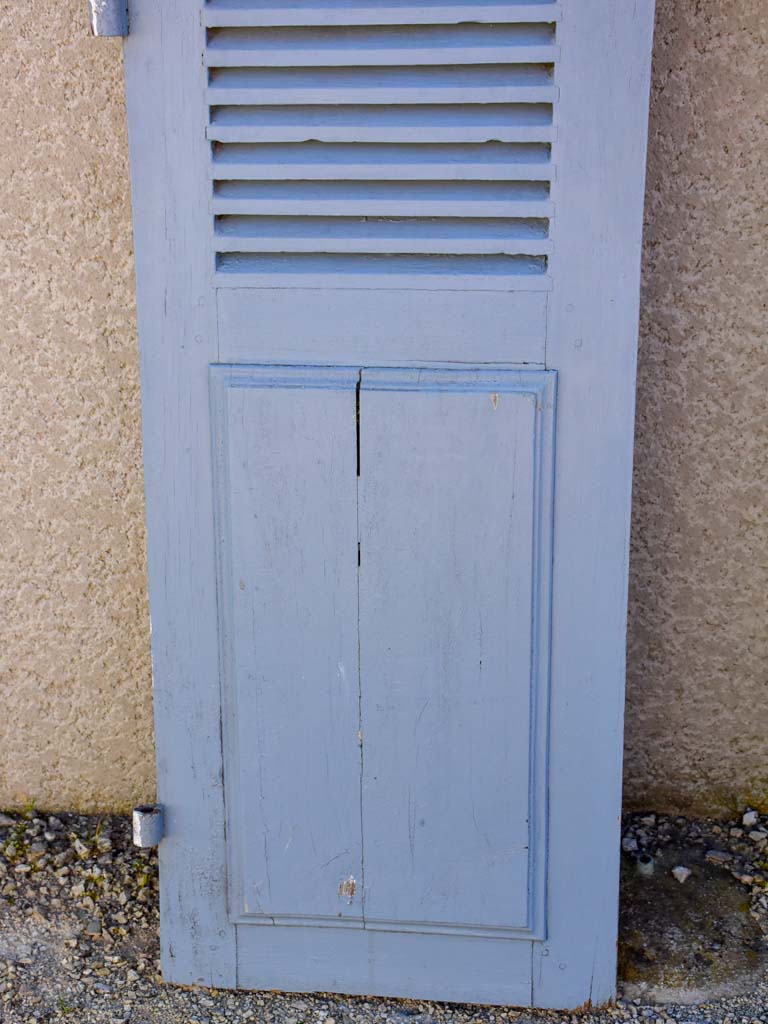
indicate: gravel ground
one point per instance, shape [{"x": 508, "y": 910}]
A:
[{"x": 79, "y": 921}]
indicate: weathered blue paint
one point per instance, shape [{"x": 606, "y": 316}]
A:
[
  {"x": 388, "y": 619},
  {"x": 287, "y": 489},
  {"x": 455, "y": 524}
]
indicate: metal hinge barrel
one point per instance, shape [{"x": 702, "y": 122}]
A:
[
  {"x": 148, "y": 825},
  {"x": 109, "y": 17}
]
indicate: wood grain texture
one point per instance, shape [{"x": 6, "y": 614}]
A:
[
  {"x": 452, "y": 591},
  {"x": 381, "y": 327},
  {"x": 453, "y": 513},
  {"x": 400, "y": 964},
  {"x": 591, "y": 340},
  {"x": 177, "y": 327},
  {"x": 286, "y": 487},
  {"x": 228, "y": 13}
]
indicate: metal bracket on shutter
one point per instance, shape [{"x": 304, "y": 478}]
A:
[{"x": 109, "y": 17}]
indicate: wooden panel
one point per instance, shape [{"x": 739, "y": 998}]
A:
[
  {"x": 384, "y": 963},
  {"x": 165, "y": 86},
  {"x": 385, "y": 327},
  {"x": 453, "y": 642},
  {"x": 592, "y": 339},
  {"x": 288, "y": 596}
]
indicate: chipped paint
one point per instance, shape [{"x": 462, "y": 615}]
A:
[{"x": 347, "y": 889}]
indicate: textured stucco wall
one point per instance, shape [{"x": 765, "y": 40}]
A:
[
  {"x": 75, "y": 684},
  {"x": 697, "y": 708},
  {"x": 75, "y": 690}
]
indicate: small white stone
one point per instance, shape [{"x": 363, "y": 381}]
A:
[
  {"x": 681, "y": 873},
  {"x": 81, "y": 849},
  {"x": 749, "y": 819},
  {"x": 758, "y": 835},
  {"x": 629, "y": 844}
]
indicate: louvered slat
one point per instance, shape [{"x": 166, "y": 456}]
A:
[
  {"x": 335, "y": 238},
  {"x": 380, "y": 46},
  {"x": 390, "y": 86},
  {"x": 308, "y": 270},
  {"x": 315, "y": 161},
  {"x": 405, "y": 124},
  {"x": 251, "y": 14},
  {"x": 377, "y": 140},
  {"x": 383, "y": 199}
]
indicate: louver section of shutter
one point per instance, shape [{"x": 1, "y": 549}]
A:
[{"x": 378, "y": 144}]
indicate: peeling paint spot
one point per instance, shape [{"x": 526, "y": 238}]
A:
[
  {"x": 494, "y": 400},
  {"x": 347, "y": 889}
]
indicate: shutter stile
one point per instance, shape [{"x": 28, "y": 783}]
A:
[{"x": 381, "y": 145}]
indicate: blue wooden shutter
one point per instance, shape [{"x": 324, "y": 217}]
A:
[{"x": 373, "y": 240}]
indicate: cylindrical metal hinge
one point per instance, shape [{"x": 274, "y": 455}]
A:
[
  {"x": 148, "y": 825},
  {"x": 109, "y": 17}
]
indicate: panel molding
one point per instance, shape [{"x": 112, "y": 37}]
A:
[
  {"x": 381, "y": 925},
  {"x": 223, "y": 381},
  {"x": 540, "y": 387}
]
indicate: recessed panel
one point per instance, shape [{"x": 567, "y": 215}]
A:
[
  {"x": 286, "y": 490},
  {"x": 454, "y": 525}
]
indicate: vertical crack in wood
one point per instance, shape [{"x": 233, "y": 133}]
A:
[
  {"x": 359, "y": 654},
  {"x": 357, "y": 418}
]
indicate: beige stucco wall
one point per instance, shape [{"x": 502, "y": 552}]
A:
[
  {"x": 75, "y": 691},
  {"x": 697, "y": 710}
]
